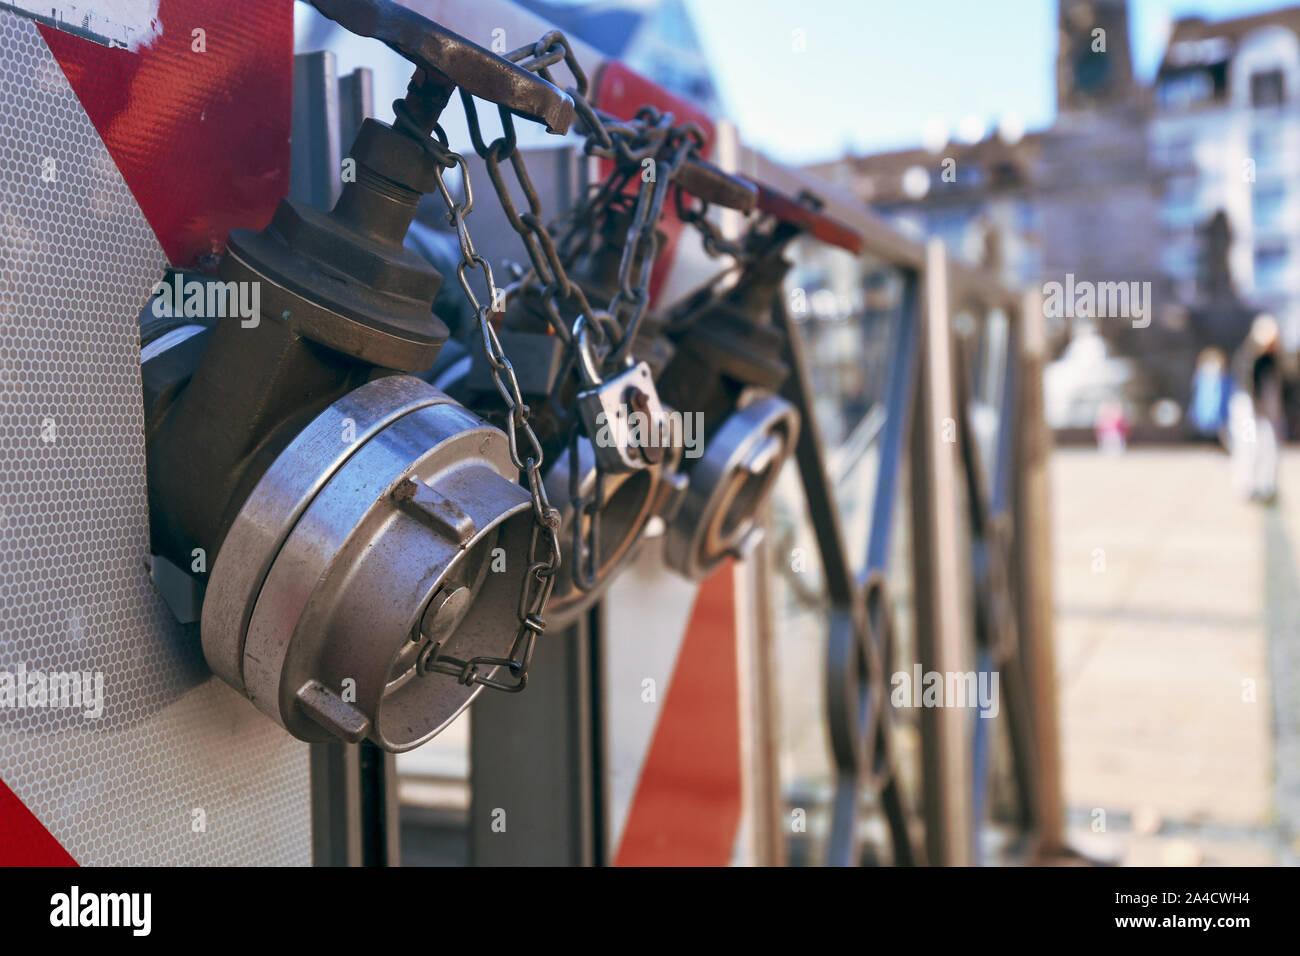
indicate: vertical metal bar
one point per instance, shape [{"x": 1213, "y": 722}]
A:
[
  {"x": 896, "y": 815},
  {"x": 841, "y": 587},
  {"x": 894, "y": 443},
  {"x": 597, "y": 763},
  {"x": 538, "y": 757},
  {"x": 336, "y": 815},
  {"x": 356, "y": 104},
  {"x": 811, "y": 458},
  {"x": 1007, "y": 465},
  {"x": 314, "y": 146},
  {"x": 898, "y": 422},
  {"x": 996, "y": 626},
  {"x": 765, "y": 829},
  {"x": 1020, "y": 717},
  {"x": 1032, "y": 572},
  {"x": 532, "y": 796},
  {"x": 946, "y": 770},
  {"x": 769, "y": 808},
  {"x": 894, "y": 440},
  {"x": 380, "y": 827}
]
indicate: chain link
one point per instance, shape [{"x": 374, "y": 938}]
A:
[
  {"x": 649, "y": 143},
  {"x": 714, "y": 242},
  {"x": 544, "y": 546},
  {"x": 649, "y": 147}
]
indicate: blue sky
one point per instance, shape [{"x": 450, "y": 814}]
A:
[{"x": 875, "y": 72}]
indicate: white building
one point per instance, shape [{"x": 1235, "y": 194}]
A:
[{"x": 1225, "y": 135}]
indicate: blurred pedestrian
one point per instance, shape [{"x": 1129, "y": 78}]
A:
[
  {"x": 1112, "y": 427},
  {"x": 1211, "y": 391},
  {"x": 1256, "y": 421}
]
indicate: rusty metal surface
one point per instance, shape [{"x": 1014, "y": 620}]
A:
[{"x": 451, "y": 59}]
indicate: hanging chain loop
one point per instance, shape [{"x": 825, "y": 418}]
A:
[
  {"x": 646, "y": 153},
  {"x": 544, "y": 547}
]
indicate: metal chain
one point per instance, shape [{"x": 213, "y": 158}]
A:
[
  {"x": 650, "y": 136},
  {"x": 639, "y": 251},
  {"x": 757, "y": 241},
  {"x": 627, "y": 307},
  {"x": 586, "y": 565},
  {"x": 544, "y": 546},
  {"x": 714, "y": 242}
]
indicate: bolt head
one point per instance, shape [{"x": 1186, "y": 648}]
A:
[{"x": 447, "y": 608}]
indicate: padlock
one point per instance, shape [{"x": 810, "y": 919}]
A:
[{"x": 624, "y": 418}]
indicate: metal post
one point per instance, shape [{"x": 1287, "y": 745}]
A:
[
  {"x": 936, "y": 555},
  {"x": 335, "y": 805},
  {"x": 769, "y": 806},
  {"x": 314, "y": 147},
  {"x": 533, "y": 766},
  {"x": 356, "y": 103},
  {"x": 1032, "y": 563}
]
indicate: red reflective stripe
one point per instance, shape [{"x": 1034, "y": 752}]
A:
[
  {"x": 24, "y": 841},
  {"x": 621, "y": 92},
  {"x": 201, "y": 138},
  {"x": 821, "y": 226},
  {"x": 687, "y": 806}
]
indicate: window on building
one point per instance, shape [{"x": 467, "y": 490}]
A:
[
  {"x": 1184, "y": 89},
  {"x": 1027, "y": 218},
  {"x": 1181, "y": 202},
  {"x": 1179, "y": 260},
  {"x": 1175, "y": 152},
  {"x": 1271, "y": 262},
  {"x": 951, "y": 225},
  {"x": 1185, "y": 187},
  {"x": 1266, "y": 145},
  {"x": 966, "y": 175},
  {"x": 1267, "y": 202},
  {"x": 1267, "y": 88},
  {"x": 1006, "y": 175}
]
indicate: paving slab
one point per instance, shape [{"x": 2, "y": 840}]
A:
[{"x": 1177, "y": 606}]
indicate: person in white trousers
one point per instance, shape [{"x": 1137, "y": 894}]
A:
[{"x": 1255, "y": 420}]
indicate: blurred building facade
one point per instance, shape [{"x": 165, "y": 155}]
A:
[
  {"x": 1190, "y": 183},
  {"x": 1225, "y": 135}
]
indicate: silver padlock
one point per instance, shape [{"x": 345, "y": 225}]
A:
[{"x": 623, "y": 416}]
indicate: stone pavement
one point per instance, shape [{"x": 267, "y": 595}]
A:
[{"x": 1178, "y": 648}]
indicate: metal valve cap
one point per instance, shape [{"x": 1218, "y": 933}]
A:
[
  {"x": 729, "y": 483},
  {"x": 392, "y": 523}
]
